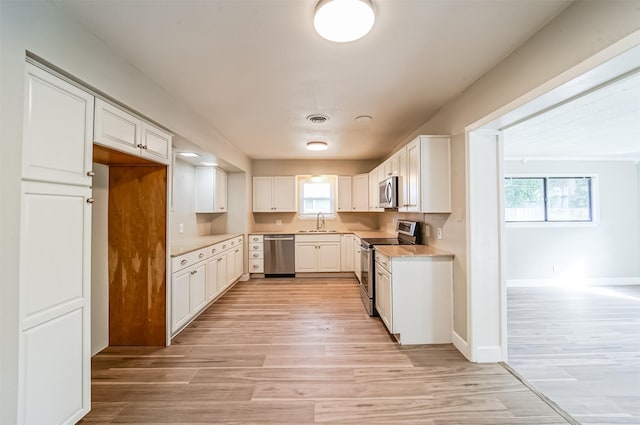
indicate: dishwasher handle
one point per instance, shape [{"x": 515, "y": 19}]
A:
[{"x": 278, "y": 239}]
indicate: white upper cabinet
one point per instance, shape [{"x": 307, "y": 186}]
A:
[
  {"x": 58, "y": 128},
  {"x": 435, "y": 174},
  {"x": 375, "y": 177},
  {"x": 211, "y": 190},
  {"x": 274, "y": 194},
  {"x": 124, "y": 132},
  {"x": 353, "y": 193},
  {"x": 344, "y": 194},
  {"x": 360, "y": 192},
  {"x": 156, "y": 144},
  {"x": 411, "y": 178}
]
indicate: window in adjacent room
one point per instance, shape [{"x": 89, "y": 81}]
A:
[
  {"x": 317, "y": 194},
  {"x": 548, "y": 199}
]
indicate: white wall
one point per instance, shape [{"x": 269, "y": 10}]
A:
[
  {"x": 608, "y": 249},
  {"x": 100, "y": 260}
]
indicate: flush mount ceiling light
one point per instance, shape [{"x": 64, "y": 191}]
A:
[
  {"x": 317, "y": 146},
  {"x": 188, "y": 154},
  {"x": 363, "y": 118},
  {"x": 209, "y": 164},
  {"x": 317, "y": 118},
  {"x": 342, "y": 21}
]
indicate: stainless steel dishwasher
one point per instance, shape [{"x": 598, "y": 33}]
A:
[{"x": 279, "y": 255}]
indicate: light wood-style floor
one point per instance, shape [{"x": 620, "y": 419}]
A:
[
  {"x": 302, "y": 351},
  {"x": 581, "y": 348}
]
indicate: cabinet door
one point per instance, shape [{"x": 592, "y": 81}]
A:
[
  {"x": 346, "y": 253},
  {"x": 344, "y": 194},
  {"x": 329, "y": 256},
  {"x": 383, "y": 297},
  {"x": 204, "y": 189},
  {"x": 222, "y": 273},
  {"x": 435, "y": 175},
  {"x": 221, "y": 191},
  {"x": 117, "y": 129},
  {"x": 284, "y": 196},
  {"x": 198, "y": 287},
  {"x": 231, "y": 266},
  {"x": 156, "y": 144},
  {"x": 402, "y": 180},
  {"x": 54, "y": 309},
  {"x": 357, "y": 259},
  {"x": 58, "y": 130},
  {"x": 212, "y": 278},
  {"x": 263, "y": 194},
  {"x": 306, "y": 257},
  {"x": 413, "y": 176},
  {"x": 238, "y": 262},
  {"x": 360, "y": 193},
  {"x": 180, "y": 311}
]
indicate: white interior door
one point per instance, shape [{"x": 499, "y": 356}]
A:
[{"x": 55, "y": 300}]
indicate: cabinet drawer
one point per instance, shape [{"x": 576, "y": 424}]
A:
[
  {"x": 256, "y": 238},
  {"x": 384, "y": 261},
  {"x": 256, "y": 265},
  {"x": 256, "y": 254},
  {"x": 189, "y": 259},
  {"x": 215, "y": 249}
]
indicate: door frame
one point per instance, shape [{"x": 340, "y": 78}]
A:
[{"x": 484, "y": 162}]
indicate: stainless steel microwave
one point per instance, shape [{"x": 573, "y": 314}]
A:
[{"x": 388, "y": 193}]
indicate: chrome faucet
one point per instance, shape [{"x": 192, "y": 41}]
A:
[{"x": 318, "y": 225}]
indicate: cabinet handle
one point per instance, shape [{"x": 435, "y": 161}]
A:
[
  {"x": 194, "y": 272},
  {"x": 90, "y": 173},
  {"x": 255, "y": 255},
  {"x": 237, "y": 250},
  {"x": 224, "y": 247},
  {"x": 90, "y": 200},
  {"x": 219, "y": 259},
  {"x": 221, "y": 208},
  {"x": 140, "y": 145},
  {"x": 201, "y": 255},
  {"x": 255, "y": 266},
  {"x": 183, "y": 262},
  {"x": 213, "y": 251},
  {"x": 232, "y": 242},
  {"x": 144, "y": 147}
]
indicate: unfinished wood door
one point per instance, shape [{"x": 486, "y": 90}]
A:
[{"x": 137, "y": 255}]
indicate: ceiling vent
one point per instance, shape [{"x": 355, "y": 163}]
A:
[{"x": 317, "y": 118}]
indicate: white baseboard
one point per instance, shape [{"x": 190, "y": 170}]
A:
[
  {"x": 461, "y": 345},
  {"x": 489, "y": 354},
  {"x": 244, "y": 277},
  {"x": 604, "y": 281}
]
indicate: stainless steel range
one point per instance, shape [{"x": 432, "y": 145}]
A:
[{"x": 408, "y": 234}]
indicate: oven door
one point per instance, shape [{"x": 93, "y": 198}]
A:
[{"x": 366, "y": 281}]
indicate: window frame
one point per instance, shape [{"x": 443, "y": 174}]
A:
[
  {"x": 332, "y": 180},
  {"x": 594, "y": 200}
]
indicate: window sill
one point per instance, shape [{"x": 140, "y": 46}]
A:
[{"x": 549, "y": 224}]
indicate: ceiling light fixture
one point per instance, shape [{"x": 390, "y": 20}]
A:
[
  {"x": 317, "y": 118},
  {"x": 342, "y": 21},
  {"x": 209, "y": 164},
  {"x": 364, "y": 118},
  {"x": 188, "y": 154},
  {"x": 317, "y": 146}
]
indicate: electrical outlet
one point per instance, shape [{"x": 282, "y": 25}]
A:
[
  {"x": 181, "y": 227},
  {"x": 278, "y": 222},
  {"x": 439, "y": 233}
]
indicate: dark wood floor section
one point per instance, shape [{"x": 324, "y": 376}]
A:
[
  {"x": 302, "y": 351},
  {"x": 581, "y": 348}
]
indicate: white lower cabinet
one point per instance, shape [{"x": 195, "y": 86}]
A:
[
  {"x": 346, "y": 251},
  {"x": 414, "y": 296},
  {"x": 200, "y": 276},
  {"x": 318, "y": 253}
]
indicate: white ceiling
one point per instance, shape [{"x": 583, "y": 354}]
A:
[
  {"x": 254, "y": 69},
  {"x": 601, "y": 124}
]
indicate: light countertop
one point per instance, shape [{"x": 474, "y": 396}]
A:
[
  {"x": 412, "y": 251},
  {"x": 359, "y": 233},
  {"x": 191, "y": 244}
]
